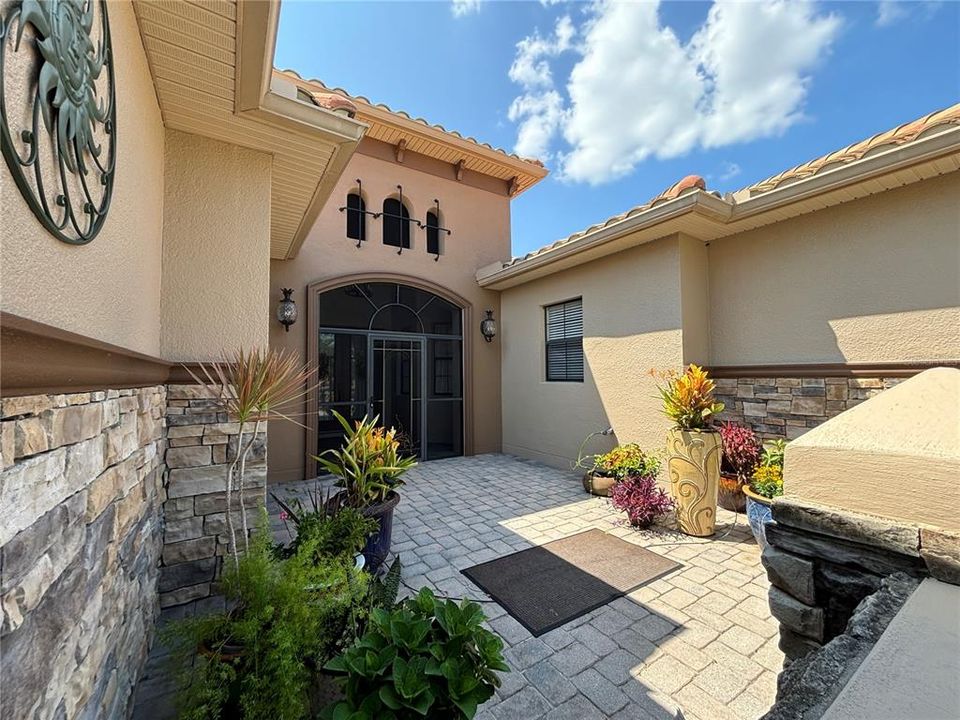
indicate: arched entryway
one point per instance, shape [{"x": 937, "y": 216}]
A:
[{"x": 390, "y": 348}]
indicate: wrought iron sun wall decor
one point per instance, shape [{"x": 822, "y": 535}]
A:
[{"x": 58, "y": 126}]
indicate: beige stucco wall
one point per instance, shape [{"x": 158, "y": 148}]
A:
[
  {"x": 632, "y": 324},
  {"x": 108, "y": 289},
  {"x": 480, "y": 221},
  {"x": 896, "y": 455},
  {"x": 873, "y": 280},
  {"x": 216, "y": 248}
]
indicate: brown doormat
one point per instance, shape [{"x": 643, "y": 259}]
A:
[{"x": 546, "y": 586}]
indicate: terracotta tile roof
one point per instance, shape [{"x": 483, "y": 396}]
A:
[
  {"x": 360, "y": 99},
  {"x": 908, "y": 132},
  {"x": 689, "y": 184},
  {"x": 334, "y": 102}
]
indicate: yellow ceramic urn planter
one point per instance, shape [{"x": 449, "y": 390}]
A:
[{"x": 693, "y": 462}]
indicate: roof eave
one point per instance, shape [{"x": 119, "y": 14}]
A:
[
  {"x": 600, "y": 242},
  {"x": 910, "y": 154}
]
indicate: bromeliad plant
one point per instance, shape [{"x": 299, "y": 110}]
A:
[
  {"x": 425, "y": 658},
  {"x": 252, "y": 387},
  {"x": 369, "y": 465},
  {"x": 688, "y": 399}
]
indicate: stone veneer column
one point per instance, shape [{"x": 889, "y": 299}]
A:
[
  {"x": 80, "y": 538},
  {"x": 201, "y": 444},
  {"x": 788, "y": 407}
]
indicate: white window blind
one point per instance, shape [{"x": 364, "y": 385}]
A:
[{"x": 565, "y": 341}]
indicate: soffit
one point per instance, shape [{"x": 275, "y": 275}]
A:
[
  {"x": 418, "y": 135},
  {"x": 193, "y": 50}
]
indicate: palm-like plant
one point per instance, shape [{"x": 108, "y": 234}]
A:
[
  {"x": 369, "y": 465},
  {"x": 253, "y": 386}
]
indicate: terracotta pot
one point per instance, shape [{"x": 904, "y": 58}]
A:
[
  {"x": 598, "y": 484},
  {"x": 693, "y": 462},
  {"x": 730, "y": 494},
  {"x": 759, "y": 513}
]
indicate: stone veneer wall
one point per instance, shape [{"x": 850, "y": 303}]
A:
[
  {"x": 822, "y": 562},
  {"x": 201, "y": 444},
  {"x": 80, "y": 540},
  {"x": 788, "y": 407}
]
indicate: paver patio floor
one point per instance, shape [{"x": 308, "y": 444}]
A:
[{"x": 700, "y": 639}]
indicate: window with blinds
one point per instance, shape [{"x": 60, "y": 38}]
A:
[{"x": 565, "y": 341}]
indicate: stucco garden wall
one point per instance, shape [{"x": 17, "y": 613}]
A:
[
  {"x": 110, "y": 288},
  {"x": 872, "y": 280},
  {"x": 631, "y": 324},
  {"x": 480, "y": 221},
  {"x": 216, "y": 248}
]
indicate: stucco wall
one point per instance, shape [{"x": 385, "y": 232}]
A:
[
  {"x": 632, "y": 324},
  {"x": 480, "y": 221},
  {"x": 216, "y": 248},
  {"x": 110, "y": 288},
  {"x": 873, "y": 280}
]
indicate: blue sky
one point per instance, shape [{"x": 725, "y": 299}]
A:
[{"x": 623, "y": 100}]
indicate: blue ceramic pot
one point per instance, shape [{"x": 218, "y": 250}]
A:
[
  {"x": 759, "y": 514},
  {"x": 378, "y": 545}
]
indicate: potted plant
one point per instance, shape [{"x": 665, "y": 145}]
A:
[
  {"x": 638, "y": 494},
  {"x": 693, "y": 449},
  {"x": 424, "y": 658},
  {"x": 336, "y": 530},
  {"x": 765, "y": 485},
  {"x": 610, "y": 467},
  {"x": 369, "y": 468},
  {"x": 261, "y": 659},
  {"x": 741, "y": 453}
]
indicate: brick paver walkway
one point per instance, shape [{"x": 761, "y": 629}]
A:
[{"x": 700, "y": 639}]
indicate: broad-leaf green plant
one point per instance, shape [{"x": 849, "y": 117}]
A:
[{"x": 426, "y": 658}]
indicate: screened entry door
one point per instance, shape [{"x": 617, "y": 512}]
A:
[
  {"x": 397, "y": 376},
  {"x": 395, "y": 351}
]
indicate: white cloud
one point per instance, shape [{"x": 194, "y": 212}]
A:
[
  {"x": 637, "y": 91},
  {"x": 889, "y": 12},
  {"x": 539, "y": 110},
  {"x": 459, "y": 8},
  {"x": 730, "y": 171}
]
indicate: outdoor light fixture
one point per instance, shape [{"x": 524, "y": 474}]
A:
[
  {"x": 287, "y": 309},
  {"x": 488, "y": 327}
]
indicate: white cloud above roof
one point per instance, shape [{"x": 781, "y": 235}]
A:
[{"x": 637, "y": 91}]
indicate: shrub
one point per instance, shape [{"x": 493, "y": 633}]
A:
[
  {"x": 425, "y": 658},
  {"x": 626, "y": 460},
  {"x": 258, "y": 660},
  {"x": 334, "y": 530},
  {"x": 641, "y": 498},
  {"x": 772, "y": 455},
  {"x": 741, "y": 450},
  {"x": 688, "y": 399},
  {"x": 369, "y": 465}
]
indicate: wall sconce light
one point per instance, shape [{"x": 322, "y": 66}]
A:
[
  {"x": 287, "y": 309},
  {"x": 488, "y": 327}
]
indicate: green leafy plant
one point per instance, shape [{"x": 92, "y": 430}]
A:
[
  {"x": 625, "y": 460},
  {"x": 688, "y": 398},
  {"x": 369, "y": 465},
  {"x": 333, "y": 529},
  {"x": 426, "y": 658},
  {"x": 287, "y": 618},
  {"x": 767, "y": 479}
]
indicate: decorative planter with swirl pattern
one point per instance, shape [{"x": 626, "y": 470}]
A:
[{"x": 693, "y": 462}]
